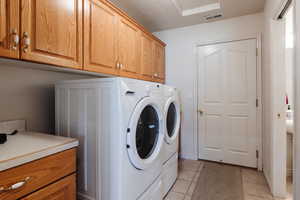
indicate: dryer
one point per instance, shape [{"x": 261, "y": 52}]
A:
[
  {"x": 119, "y": 124},
  {"x": 172, "y": 126}
]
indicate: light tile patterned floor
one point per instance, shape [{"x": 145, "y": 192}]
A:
[
  {"x": 189, "y": 172},
  {"x": 254, "y": 184}
]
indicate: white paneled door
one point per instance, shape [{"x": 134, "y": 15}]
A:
[{"x": 227, "y": 103}]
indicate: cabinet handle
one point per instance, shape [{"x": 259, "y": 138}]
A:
[
  {"x": 118, "y": 65},
  {"x": 26, "y": 40},
  {"x": 155, "y": 75},
  {"x": 15, "y": 40},
  {"x": 15, "y": 186},
  {"x": 121, "y": 66}
]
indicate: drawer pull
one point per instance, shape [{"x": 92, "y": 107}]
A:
[
  {"x": 26, "y": 42},
  {"x": 15, "y": 186},
  {"x": 15, "y": 39}
]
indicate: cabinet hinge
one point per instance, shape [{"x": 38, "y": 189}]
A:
[{"x": 257, "y": 154}]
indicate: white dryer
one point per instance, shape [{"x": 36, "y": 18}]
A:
[
  {"x": 119, "y": 125},
  {"x": 171, "y": 140}
]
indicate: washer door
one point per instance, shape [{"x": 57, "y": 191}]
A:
[
  {"x": 145, "y": 137},
  {"x": 172, "y": 113}
]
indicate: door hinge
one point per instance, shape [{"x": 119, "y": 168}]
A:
[
  {"x": 257, "y": 103},
  {"x": 257, "y": 52},
  {"x": 257, "y": 154}
]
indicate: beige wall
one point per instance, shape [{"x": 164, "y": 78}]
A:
[{"x": 27, "y": 93}]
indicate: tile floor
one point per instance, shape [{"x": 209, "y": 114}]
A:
[
  {"x": 188, "y": 175},
  {"x": 254, "y": 184}
]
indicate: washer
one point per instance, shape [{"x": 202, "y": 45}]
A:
[
  {"x": 120, "y": 126},
  {"x": 171, "y": 139}
]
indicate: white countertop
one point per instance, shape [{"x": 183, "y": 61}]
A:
[{"x": 25, "y": 147}]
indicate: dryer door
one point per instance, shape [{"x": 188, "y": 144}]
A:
[
  {"x": 172, "y": 113},
  {"x": 145, "y": 134}
]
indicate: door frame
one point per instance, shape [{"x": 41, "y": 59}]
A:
[
  {"x": 278, "y": 125},
  {"x": 296, "y": 99},
  {"x": 258, "y": 39}
]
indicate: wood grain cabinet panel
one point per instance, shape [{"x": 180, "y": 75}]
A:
[
  {"x": 129, "y": 48},
  {"x": 9, "y": 28},
  {"x": 100, "y": 38},
  {"x": 37, "y": 174},
  {"x": 64, "y": 189},
  {"x": 159, "y": 61},
  {"x": 147, "y": 57},
  {"x": 51, "y": 32},
  {"x": 90, "y": 35}
]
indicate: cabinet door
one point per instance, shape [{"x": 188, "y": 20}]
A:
[
  {"x": 129, "y": 48},
  {"x": 100, "y": 38},
  {"x": 9, "y": 28},
  {"x": 64, "y": 189},
  {"x": 51, "y": 32},
  {"x": 37, "y": 174},
  {"x": 159, "y": 61},
  {"x": 147, "y": 56}
]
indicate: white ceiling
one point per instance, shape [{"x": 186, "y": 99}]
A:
[{"x": 158, "y": 15}]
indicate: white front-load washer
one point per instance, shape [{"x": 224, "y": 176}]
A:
[
  {"x": 119, "y": 124},
  {"x": 171, "y": 139}
]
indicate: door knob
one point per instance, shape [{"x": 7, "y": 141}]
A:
[{"x": 201, "y": 112}]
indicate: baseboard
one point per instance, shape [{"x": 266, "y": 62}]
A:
[{"x": 268, "y": 181}]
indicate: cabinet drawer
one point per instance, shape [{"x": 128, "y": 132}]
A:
[
  {"x": 64, "y": 189},
  {"x": 32, "y": 176}
]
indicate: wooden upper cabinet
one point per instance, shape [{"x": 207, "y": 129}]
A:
[
  {"x": 51, "y": 32},
  {"x": 9, "y": 28},
  {"x": 100, "y": 38},
  {"x": 91, "y": 35},
  {"x": 147, "y": 56},
  {"x": 159, "y": 60},
  {"x": 129, "y": 48}
]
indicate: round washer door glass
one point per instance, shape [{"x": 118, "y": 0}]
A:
[
  {"x": 147, "y": 132},
  {"x": 171, "y": 119}
]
